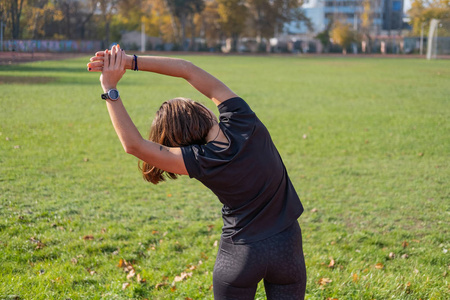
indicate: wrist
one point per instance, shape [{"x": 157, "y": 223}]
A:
[{"x": 129, "y": 62}]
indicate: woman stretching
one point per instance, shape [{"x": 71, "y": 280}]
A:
[{"x": 234, "y": 157}]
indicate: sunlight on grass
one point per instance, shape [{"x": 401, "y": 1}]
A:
[{"x": 365, "y": 141}]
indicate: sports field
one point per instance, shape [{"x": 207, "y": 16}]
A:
[{"x": 366, "y": 142}]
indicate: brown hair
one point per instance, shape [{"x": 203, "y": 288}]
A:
[{"x": 178, "y": 122}]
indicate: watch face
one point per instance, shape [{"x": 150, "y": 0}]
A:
[{"x": 113, "y": 94}]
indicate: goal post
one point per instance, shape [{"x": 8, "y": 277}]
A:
[{"x": 438, "y": 38}]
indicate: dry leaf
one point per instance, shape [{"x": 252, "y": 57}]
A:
[
  {"x": 40, "y": 245},
  {"x": 173, "y": 288},
  {"x": 103, "y": 230},
  {"x": 324, "y": 281},
  {"x": 392, "y": 255},
  {"x": 182, "y": 276},
  {"x": 131, "y": 274},
  {"x": 331, "y": 264},
  {"x": 88, "y": 237},
  {"x": 125, "y": 285},
  {"x": 210, "y": 227},
  {"x": 122, "y": 263},
  {"x": 405, "y": 256},
  {"x": 187, "y": 298},
  {"x": 355, "y": 277},
  {"x": 405, "y": 244},
  {"x": 159, "y": 285},
  {"x": 314, "y": 210},
  {"x": 379, "y": 266},
  {"x": 74, "y": 261},
  {"x": 215, "y": 243},
  {"x": 140, "y": 279}
]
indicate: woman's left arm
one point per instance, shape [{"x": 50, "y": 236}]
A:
[{"x": 165, "y": 158}]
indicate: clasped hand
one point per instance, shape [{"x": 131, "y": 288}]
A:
[{"x": 112, "y": 65}]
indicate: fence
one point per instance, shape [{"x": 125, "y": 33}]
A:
[{"x": 50, "y": 46}]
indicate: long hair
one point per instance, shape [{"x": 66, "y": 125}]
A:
[{"x": 178, "y": 122}]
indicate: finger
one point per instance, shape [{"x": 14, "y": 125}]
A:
[
  {"x": 106, "y": 60},
  {"x": 113, "y": 56},
  {"x": 96, "y": 58},
  {"x": 119, "y": 57},
  {"x": 100, "y": 53},
  {"x": 95, "y": 69},
  {"x": 122, "y": 60},
  {"x": 95, "y": 64}
]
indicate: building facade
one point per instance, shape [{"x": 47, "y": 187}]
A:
[{"x": 382, "y": 15}]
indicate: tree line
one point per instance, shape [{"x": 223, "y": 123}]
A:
[
  {"x": 174, "y": 21},
  {"x": 177, "y": 21}
]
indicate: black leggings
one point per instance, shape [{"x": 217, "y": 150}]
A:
[{"x": 278, "y": 260}]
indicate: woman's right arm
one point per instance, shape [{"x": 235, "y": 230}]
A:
[{"x": 201, "y": 80}]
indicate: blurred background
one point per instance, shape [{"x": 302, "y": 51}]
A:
[{"x": 254, "y": 26}]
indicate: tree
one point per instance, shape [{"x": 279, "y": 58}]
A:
[
  {"x": 209, "y": 23},
  {"x": 324, "y": 37},
  {"x": 183, "y": 11},
  {"x": 367, "y": 22},
  {"x": 13, "y": 9},
  {"x": 269, "y": 16},
  {"x": 423, "y": 11},
  {"x": 41, "y": 17},
  {"x": 233, "y": 14},
  {"x": 343, "y": 35}
]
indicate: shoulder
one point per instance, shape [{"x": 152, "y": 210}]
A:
[{"x": 235, "y": 104}]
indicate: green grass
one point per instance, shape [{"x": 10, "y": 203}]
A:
[{"x": 366, "y": 143}]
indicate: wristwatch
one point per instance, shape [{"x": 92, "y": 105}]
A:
[{"x": 112, "y": 94}]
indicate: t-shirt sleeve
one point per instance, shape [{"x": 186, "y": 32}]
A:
[
  {"x": 235, "y": 115},
  {"x": 190, "y": 154}
]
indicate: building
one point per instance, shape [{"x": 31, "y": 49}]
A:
[{"x": 385, "y": 15}]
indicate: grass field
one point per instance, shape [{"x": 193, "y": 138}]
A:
[{"x": 365, "y": 141}]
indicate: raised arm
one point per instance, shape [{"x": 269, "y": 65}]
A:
[
  {"x": 201, "y": 80},
  {"x": 169, "y": 159}
]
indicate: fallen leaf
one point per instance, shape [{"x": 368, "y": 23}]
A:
[
  {"x": 88, "y": 237},
  {"x": 131, "y": 274},
  {"x": 74, "y": 261},
  {"x": 40, "y": 245},
  {"x": 405, "y": 256},
  {"x": 210, "y": 227},
  {"x": 182, "y": 276},
  {"x": 160, "y": 285},
  {"x": 173, "y": 288},
  {"x": 391, "y": 255},
  {"x": 140, "y": 279},
  {"x": 331, "y": 264},
  {"x": 103, "y": 230},
  {"x": 355, "y": 277},
  {"x": 379, "y": 266},
  {"x": 215, "y": 243},
  {"x": 314, "y": 210},
  {"x": 187, "y": 298},
  {"x": 122, "y": 263},
  {"x": 125, "y": 285},
  {"x": 169, "y": 195},
  {"x": 405, "y": 244},
  {"x": 324, "y": 281}
]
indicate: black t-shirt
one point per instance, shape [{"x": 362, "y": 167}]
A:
[{"x": 248, "y": 176}]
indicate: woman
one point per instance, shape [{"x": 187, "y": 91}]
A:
[{"x": 235, "y": 158}]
